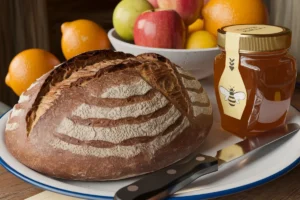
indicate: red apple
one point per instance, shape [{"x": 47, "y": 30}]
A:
[
  {"x": 153, "y": 3},
  {"x": 160, "y": 29},
  {"x": 189, "y": 10}
]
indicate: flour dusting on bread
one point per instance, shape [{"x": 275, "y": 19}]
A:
[
  {"x": 11, "y": 126},
  {"x": 191, "y": 84},
  {"x": 134, "y": 110},
  {"x": 106, "y": 115},
  {"x": 120, "y": 133},
  {"x": 183, "y": 72},
  {"x": 202, "y": 110},
  {"x": 122, "y": 91},
  {"x": 123, "y": 151},
  {"x": 23, "y": 98},
  {"x": 16, "y": 112},
  {"x": 198, "y": 97}
]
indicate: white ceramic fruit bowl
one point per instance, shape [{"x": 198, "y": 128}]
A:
[{"x": 199, "y": 62}]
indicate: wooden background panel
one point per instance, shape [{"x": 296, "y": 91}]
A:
[
  {"x": 36, "y": 24},
  {"x": 99, "y": 11},
  {"x": 23, "y": 25},
  {"x": 286, "y": 13}
]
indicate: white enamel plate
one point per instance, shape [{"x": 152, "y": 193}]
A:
[{"x": 257, "y": 168}]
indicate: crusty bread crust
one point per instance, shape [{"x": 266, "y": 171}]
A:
[{"x": 106, "y": 115}]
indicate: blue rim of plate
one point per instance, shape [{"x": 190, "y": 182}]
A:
[{"x": 200, "y": 196}]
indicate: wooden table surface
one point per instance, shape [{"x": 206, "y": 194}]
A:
[{"x": 286, "y": 187}]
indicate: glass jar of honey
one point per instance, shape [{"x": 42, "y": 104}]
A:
[{"x": 254, "y": 78}]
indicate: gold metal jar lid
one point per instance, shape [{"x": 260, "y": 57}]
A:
[{"x": 257, "y": 37}]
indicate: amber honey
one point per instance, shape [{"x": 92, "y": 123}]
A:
[{"x": 263, "y": 82}]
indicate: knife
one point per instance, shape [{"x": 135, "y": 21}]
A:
[{"x": 165, "y": 182}]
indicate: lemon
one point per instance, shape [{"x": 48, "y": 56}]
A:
[
  {"x": 196, "y": 26},
  {"x": 201, "y": 39}
]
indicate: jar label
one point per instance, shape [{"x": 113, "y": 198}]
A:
[
  {"x": 258, "y": 29},
  {"x": 231, "y": 87}
]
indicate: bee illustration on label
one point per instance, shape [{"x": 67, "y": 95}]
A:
[{"x": 231, "y": 96}]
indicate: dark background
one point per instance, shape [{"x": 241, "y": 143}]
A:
[
  {"x": 60, "y": 11},
  {"x": 28, "y": 24}
]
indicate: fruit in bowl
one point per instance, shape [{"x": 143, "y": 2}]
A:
[
  {"x": 156, "y": 28},
  {"x": 160, "y": 31},
  {"x": 189, "y": 10},
  {"x": 199, "y": 62},
  {"x": 201, "y": 39},
  {"x": 151, "y": 31},
  {"x": 125, "y": 14},
  {"x": 198, "y": 25},
  {"x": 153, "y": 3},
  {"x": 219, "y": 13}
]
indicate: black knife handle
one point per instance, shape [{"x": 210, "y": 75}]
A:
[{"x": 160, "y": 184}]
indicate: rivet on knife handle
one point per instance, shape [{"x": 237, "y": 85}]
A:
[{"x": 167, "y": 181}]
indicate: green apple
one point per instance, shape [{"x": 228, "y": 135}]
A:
[{"x": 125, "y": 14}]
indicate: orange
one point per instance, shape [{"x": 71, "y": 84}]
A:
[
  {"x": 82, "y": 35},
  {"x": 219, "y": 13},
  {"x": 196, "y": 26},
  {"x": 200, "y": 40},
  {"x": 27, "y": 66}
]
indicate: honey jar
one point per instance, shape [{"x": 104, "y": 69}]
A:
[{"x": 254, "y": 78}]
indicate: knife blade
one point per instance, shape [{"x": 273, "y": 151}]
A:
[{"x": 165, "y": 182}]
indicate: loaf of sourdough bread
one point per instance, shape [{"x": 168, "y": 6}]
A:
[{"x": 106, "y": 115}]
